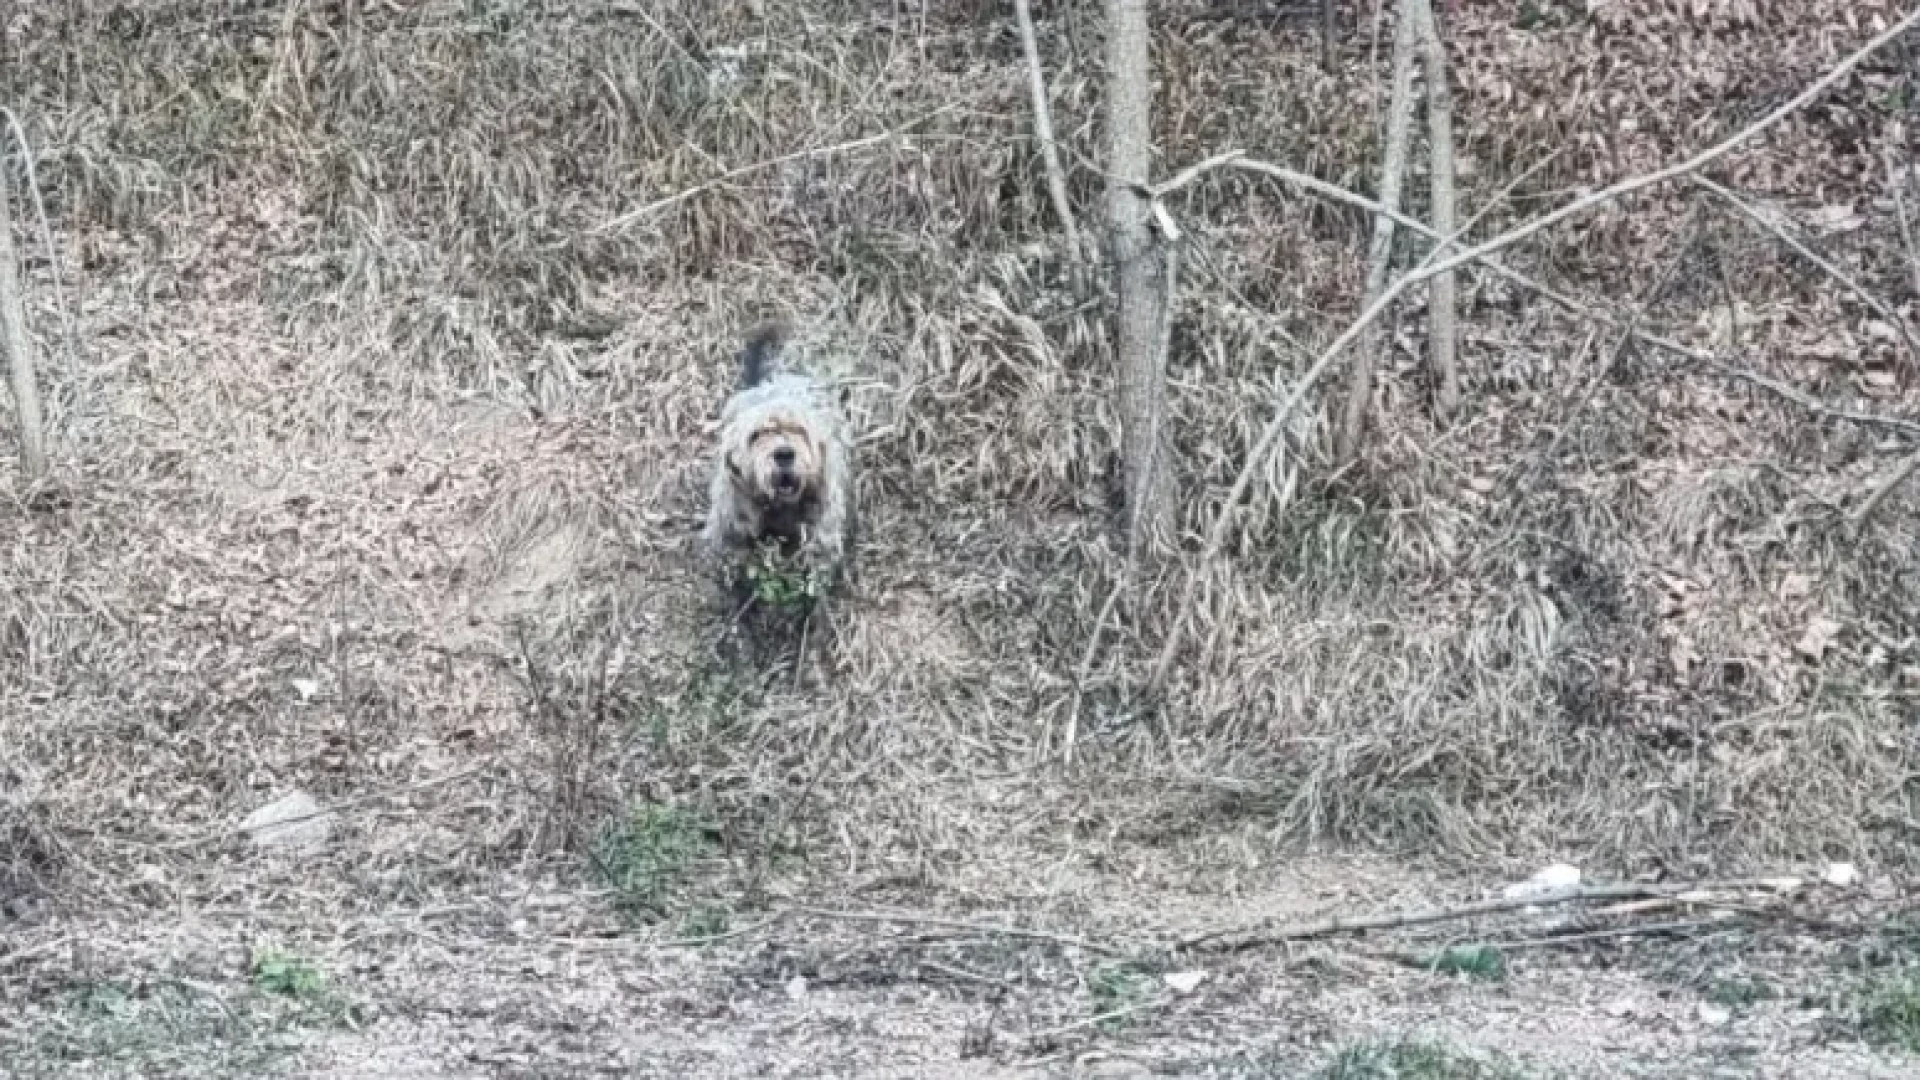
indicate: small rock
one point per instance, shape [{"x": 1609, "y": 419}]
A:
[
  {"x": 1841, "y": 875},
  {"x": 306, "y": 688},
  {"x": 797, "y": 987},
  {"x": 292, "y": 823},
  {"x": 1820, "y": 635},
  {"x": 1552, "y": 879},
  {"x": 1714, "y": 1015},
  {"x": 1183, "y": 982},
  {"x": 1620, "y": 1008}
]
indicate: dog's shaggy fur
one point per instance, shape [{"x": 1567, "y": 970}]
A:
[{"x": 784, "y": 471}]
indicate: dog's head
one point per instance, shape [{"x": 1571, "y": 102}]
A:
[{"x": 778, "y": 464}]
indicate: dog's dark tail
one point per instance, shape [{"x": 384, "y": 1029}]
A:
[{"x": 763, "y": 345}]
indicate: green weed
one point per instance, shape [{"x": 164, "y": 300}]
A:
[
  {"x": 286, "y": 974},
  {"x": 1412, "y": 1059},
  {"x": 645, "y": 852}
]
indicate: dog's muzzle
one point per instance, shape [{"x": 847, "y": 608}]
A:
[{"x": 786, "y": 482}]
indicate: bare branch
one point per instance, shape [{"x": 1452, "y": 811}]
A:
[
  {"x": 17, "y": 344},
  {"x": 1779, "y": 232},
  {"x": 909, "y": 918},
  {"x": 1896, "y": 183},
  {"x": 1813, "y": 404},
  {"x": 1885, "y": 488},
  {"x": 67, "y": 311},
  {"x": 1275, "y": 424},
  {"x": 1043, "y": 131},
  {"x": 1234, "y": 940}
]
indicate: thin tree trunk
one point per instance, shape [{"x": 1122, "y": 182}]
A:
[
  {"x": 1140, "y": 272},
  {"x": 18, "y": 346},
  {"x": 1043, "y": 131},
  {"x": 1442, "y": 297},
  {"x": 1329, "y": 32},
  {"x": 1393, "y": 167}
]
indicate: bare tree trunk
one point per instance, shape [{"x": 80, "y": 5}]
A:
[
  {"x": 1329, "y": 32},
  {"x": 18, "y": 346},
  {"x": 1140, "y": 270},
  {"x": 1442, "y": 298},
  {"x": 1043, "y": 131},
  {"x": 1393, "y": 167}
]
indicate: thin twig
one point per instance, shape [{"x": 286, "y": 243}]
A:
[
  {"x": 67, "y": 313},
  {"x": 640, "y": 213},
  {"x": 1896, "y": 183},
  {"x": 1826, "y": 266},
  {"x": 16, "y": 344},
  {"x": 1235, "y": 939},
  {"x": 1813, "y": 404},
  {"x": 1885, "y": 488},
  {"x": 1432, "y": 961},
  {"x": 1171, "y": 648},
  {"x": 1627, "y": 336},
  {"x": 1554, "y": 941},
  {"x": 915, "y": 919},
  {"x": 1276, "y": 423},
  {"x": 1085, "y": 670},
  {"x": 1043, "y": 132}
]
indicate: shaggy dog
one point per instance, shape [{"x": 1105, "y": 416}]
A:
[{"x": 784, "y": 474}]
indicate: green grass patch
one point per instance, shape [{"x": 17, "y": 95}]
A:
[
  {"x": 1116, "y": 988},
  {"x": 1473, "y": 961},
  {"x": 1890, "y": 1012},
  {"x": 782, "y": 583},
  {"x": 1415, "y": 1059},
  {"x": 646, "y": 851},
  {"x": 286, "y": 974}
]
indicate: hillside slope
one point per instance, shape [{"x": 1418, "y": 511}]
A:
[{"x": 381, "y": 455}]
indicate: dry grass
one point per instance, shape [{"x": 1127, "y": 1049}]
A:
[{"x": 368, "y": 407}]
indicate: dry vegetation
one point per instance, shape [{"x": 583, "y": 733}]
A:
[{"x": 379, "y": 456}]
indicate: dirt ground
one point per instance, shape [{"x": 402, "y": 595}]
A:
[{"x": 529, "y": 978}]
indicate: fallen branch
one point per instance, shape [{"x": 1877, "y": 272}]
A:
[
  {"x": 1885, "y": 488},
  {"x": 1238, "y": 939},
  {"x": 1277, "y": 422},
  {"x": 1826, "y": 266},
  {"x": 913, "y": 919},
  {"x": 1554, "y": 941}
]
